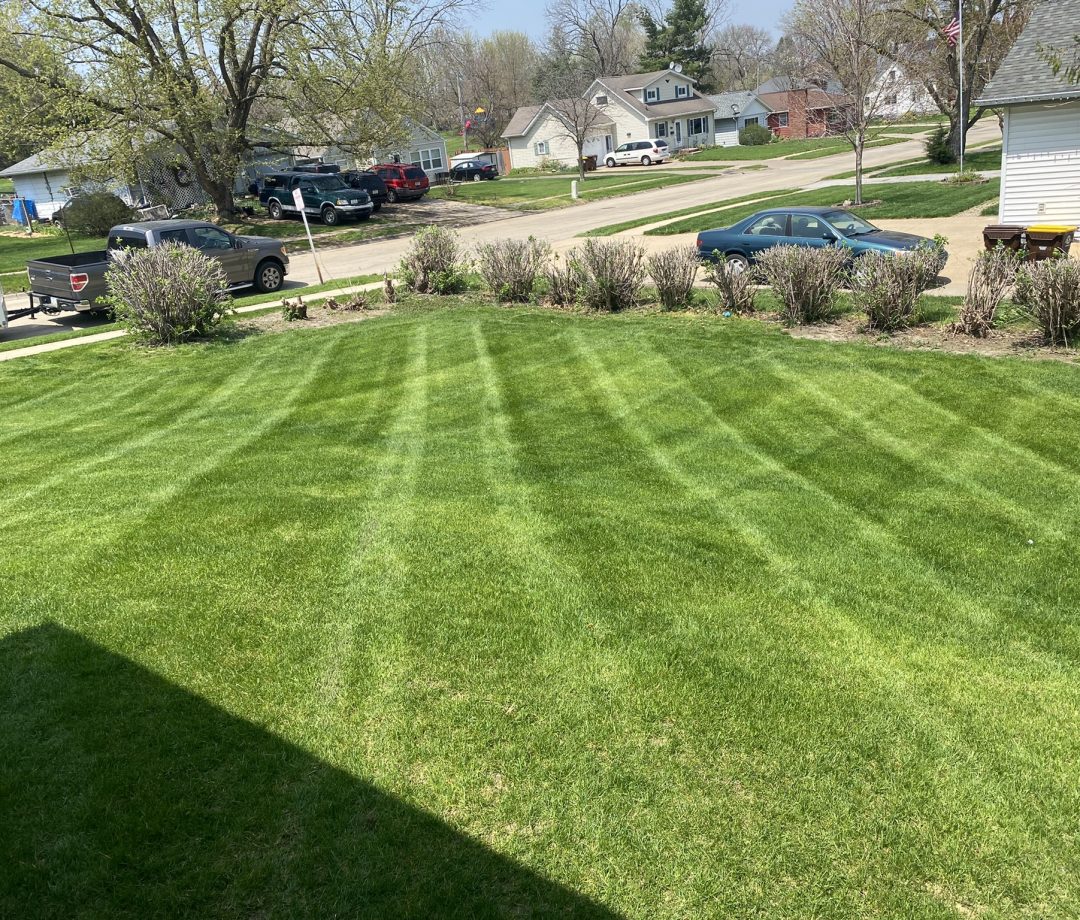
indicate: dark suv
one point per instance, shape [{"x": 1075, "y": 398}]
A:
[
  {"x": 369, "y": 182},
  {"x": 403, "y": 183},
  {"x": 324, "y": 196}
]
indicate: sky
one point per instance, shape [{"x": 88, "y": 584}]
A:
[{"x": 528, "y": 15}]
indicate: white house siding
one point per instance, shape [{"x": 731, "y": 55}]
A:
[
  {"x": 548, "y": 129},
  {"x": 51, "y": 190},
  {"x": 727, "y": 132},
  {"x": 1040, "y": 180}
]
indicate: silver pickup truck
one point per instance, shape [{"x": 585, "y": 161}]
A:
[{"x": 77, "y": 282}]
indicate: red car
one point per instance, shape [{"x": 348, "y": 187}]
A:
[{"x": 403, "y": 183}]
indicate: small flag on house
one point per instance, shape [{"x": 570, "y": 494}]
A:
[{"x": 952, "y": 32}]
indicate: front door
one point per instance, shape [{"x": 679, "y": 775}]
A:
[
  {"x": 607, "y": 143},
  {"x": 678, "y": 134}
]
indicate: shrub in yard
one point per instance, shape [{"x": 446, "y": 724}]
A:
[
  {"x": 94, "y": 213},
  {"x": 564, "y": 280},
  {"x": 992, "y": 275},
  {"x": 674, "y": 271},
  {"x": 292, "y": 310},
  {"x": 888, "y": 285},
  {"x": 612, "y": 271},
  {"x": 433, "y": 264},
  {"x": 937, "y": 147},
  {"x": 804, "y": 280},
  {"x": 354, "y": 303},
  {"x": 1049, "y": 292},
  {"x": 755, "y": 136},
  {"x": 733, "y": 282},
  {"x": 167, "y": 294},
  {"x": 509, "y": 267}
]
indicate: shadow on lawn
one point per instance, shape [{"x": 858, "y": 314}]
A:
[{"x": 122, "y": 794}]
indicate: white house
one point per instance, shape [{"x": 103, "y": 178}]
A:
[
  {"x": 635, "y": 107},
  {"x": 45, "y": 180},
  {"x": 1040, "y": 157},
  {"x": 897, "y": 96},
  {"x": 733, "y": 112}
]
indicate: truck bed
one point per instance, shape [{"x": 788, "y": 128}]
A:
[{"x": 50, "y": 280}]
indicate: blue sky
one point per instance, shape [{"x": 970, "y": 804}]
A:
[{"x": 528, "y": 15}]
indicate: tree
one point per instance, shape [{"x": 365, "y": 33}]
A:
[
  {"x": 917, "y": 45},
  {"x": 207, "y": 81},
  {"x": 602, "y": 34},
  {"x": 679, "y": 39},
  {"x": 564, "y": 89},
  {"x": 845, "y": 36},
  {"x": 1062, "y": 63},
  {"x": 742, "y": 57}
]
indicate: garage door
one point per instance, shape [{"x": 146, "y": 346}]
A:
[{"x": 594, "y": 147}]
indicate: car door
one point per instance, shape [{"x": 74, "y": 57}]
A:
[
  {"x": 767, "y": 231},
  {"x": 312, "y": 197},
  {"x": 220, "y": 246},
  {"x": 623, "y": 153},
  {"x": 811, "y": 230}
]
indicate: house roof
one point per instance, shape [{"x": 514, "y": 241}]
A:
[
  {"x": 815, "y": 99},
  {"x": 622, "y": 88},
  {"x": 785, "y": 84},
  {"x": 632, "y": 81},
  {"x": 724, "y": 102},
  {"x": 1024, "y": 75},
  {"x": 45, "y": 161},
  {"x": 523, "y": 119}
]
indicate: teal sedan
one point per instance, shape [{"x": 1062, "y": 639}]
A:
[{"x": 817, "y": 227}]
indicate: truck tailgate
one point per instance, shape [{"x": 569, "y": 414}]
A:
[{"x": 50, "y": 279}]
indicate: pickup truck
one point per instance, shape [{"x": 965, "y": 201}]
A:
[{"x": 77, "y": 282}]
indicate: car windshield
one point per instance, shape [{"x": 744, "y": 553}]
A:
[
  {"x": 328, "y": 183},
  {"x": 848, "y": 224}
]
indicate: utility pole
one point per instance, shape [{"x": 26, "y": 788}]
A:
[{"x": 464, "y": 121}]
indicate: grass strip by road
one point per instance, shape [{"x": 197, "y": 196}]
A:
[
  {"x": 846, "y": 148},
  {"x": 612, "y": 229},
  {"x": 898, "y": 201},
  {"x": 464, "y": 609},
  {"x": 978, "y": 160}
]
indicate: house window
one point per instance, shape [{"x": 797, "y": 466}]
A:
[
  {"x": 891, "y": 100},
  {"x": 682, "y": 91},
  {"x": 752, "y": 120},
  {"x": 601, "y": 100},
  {"x": 699, "y": 126},
  {"x": 652, "y": 95},
  {"x": 540, "y": 148},
  {"x": 782, "y": 120},
  {"x": 428, "y": 160},
  {"x": 661, "y": 129}
]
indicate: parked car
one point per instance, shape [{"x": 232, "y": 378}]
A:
[
  {"x": 77, "y": 282},
  {"x": 644, "y": 153},
  {"x": 403, "y": 183},
  {"x": 817, "y": 227},
  {"x": 325, "y": 196},
  {"x": 473, "y": 170},
  {"x": 369, "y": 182}
]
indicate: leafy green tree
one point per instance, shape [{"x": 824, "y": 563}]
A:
[{"x": 680, "y": 39}]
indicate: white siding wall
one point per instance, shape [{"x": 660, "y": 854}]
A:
[
  {"x": 666, "y": 86},
  {"x": 727, "y": 133},
  {"x": 560, "y": 147},
  {"x": 1041, "y": 165},
  {"x": 629, "y": 126},
  {"x": 50, "y": 191}
]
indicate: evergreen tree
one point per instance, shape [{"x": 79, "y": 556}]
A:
[{"x": 680, "y": 38}]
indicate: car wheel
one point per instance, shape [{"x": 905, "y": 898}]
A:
[
  {"x": 477, "y": 177},
  {"x": 738, "y": 262},
  {"x": 330, "y": 217},
  {"x": 646, "y": 161},
  {"x": 391, "y": 196},
  {"x": 610, "y": 162},
  {"x": 269, "y": 276},
  {"x": 275, "y": 210}
]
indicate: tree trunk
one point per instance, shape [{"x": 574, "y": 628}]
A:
[
  {"x": 221, "y": 195},
  {"x": 860, "y": 142},
  {"x": 581, "y": 162},
  {"x": 955, "y": 131}
]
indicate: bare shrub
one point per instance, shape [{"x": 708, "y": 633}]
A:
[
  {"x": 992, "y": 276},
  {"x": 613, "y": 273},
  {"x": 674, "y": 272},
  {"x": 734, "y": 283},
  {"x": 168, "y": 293},
  {"x": 354, "y": 303},
  {"x": 509, "y": 267},
  {"x": 433, "y": 264},
  {"x": 1049, "y": 292},
  {"x": 888, "y": 285},
  {"x": 292, "y": 310},
  {"x": 564, "y": 279},
  {"x": 805, "y": 280}
]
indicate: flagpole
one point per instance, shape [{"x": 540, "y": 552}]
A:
[{"x": 963, "y": 109}]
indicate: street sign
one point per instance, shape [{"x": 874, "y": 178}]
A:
[{"x": 298, "y": 200}]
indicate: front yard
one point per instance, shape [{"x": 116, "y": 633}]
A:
[{"x": 487, "y": 612}]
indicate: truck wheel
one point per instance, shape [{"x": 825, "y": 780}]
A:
[
  {"x": 391, "y": 196},
  {"x": 330, "y": 217},
  {"x": 276, "y": 213},
  {"x": 363, "y": 217},
  {"x": 269, "y": 276}
]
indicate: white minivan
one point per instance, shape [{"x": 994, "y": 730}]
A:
[{"x": 644, "y": 153}]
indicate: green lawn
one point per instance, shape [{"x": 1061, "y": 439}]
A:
[
  {"x": 847, "y": 148},
  {"x": 7, "y": 187},
  {"x": 535, "y": 194},
  {"x": 17, "y": 248},
  {"x": 898, "y": 201},
  {"x": 500, "y": 613},
  {"x": 987, "y": 159},
  {"x": 767, "y": 151}
]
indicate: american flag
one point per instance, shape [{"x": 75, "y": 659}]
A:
[{"x": 952, "y": 31}]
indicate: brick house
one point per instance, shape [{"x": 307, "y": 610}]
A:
[{"x": 801, "y": 110}]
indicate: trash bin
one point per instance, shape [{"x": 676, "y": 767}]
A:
[
  {"x": 1046, "y": 240},
  {"x": 1011, "y": 236},
  {"x": 590, "y": 163}
]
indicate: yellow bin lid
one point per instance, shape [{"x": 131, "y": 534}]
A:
[{"x": 1052, "y": 228}]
